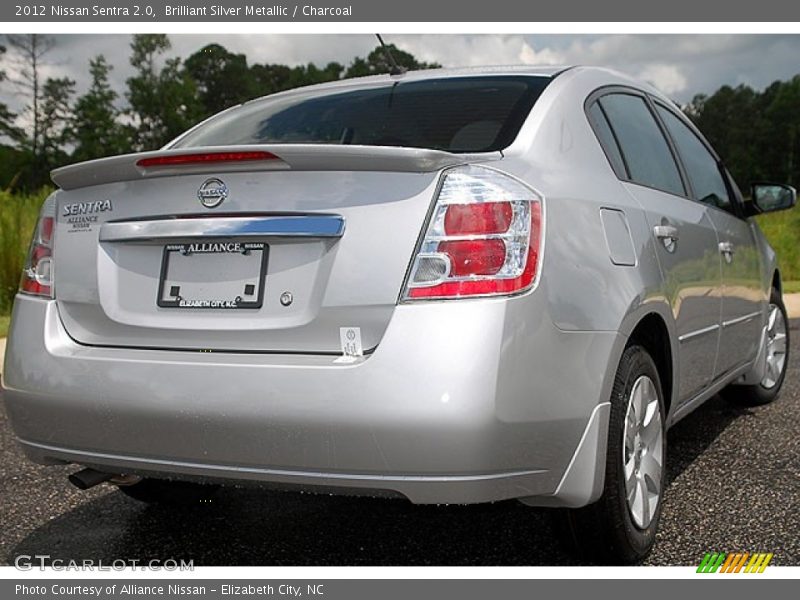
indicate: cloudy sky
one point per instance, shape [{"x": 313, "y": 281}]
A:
[{"x": 680, "y": 65}]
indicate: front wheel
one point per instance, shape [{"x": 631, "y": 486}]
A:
[
  {"x": 776, "y": 342},
  {"x": 620, "y": 528}
]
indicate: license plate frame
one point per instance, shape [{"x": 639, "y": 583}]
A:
[{"x": 207, "y": 248}]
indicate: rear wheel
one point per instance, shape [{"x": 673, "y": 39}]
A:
[
  {"x": 174, "y": 493},
  {"x": 620, "y": 528},
  {"x": 777, "y": 350}
]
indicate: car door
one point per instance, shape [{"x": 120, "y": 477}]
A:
[
  {"x": 743, "y": 301},
  {"x": 684, "y": 236}
]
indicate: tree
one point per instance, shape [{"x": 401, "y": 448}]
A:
[
  {"x": 730, "y": 120},
  {"x": 269, "y": 79},
  {"x": 56, "y": 116},
  {"x": 179, "y": 105},
  {"x": 7, "y": 127},
  {"x": 29, "y": 57},
  {"x": 31, "y": 50},
  {"x": 96, "y": 130},
  {"x": 310, "y": 74},
  {"x": 7, "y": 118},
  {"x": 143, "y": 89},
  {"x": 163, "y": 102},
  {"x": 223, "y": 79},
  {"x": 783, "y": 114},
  {"x": 377, "y": 62}
]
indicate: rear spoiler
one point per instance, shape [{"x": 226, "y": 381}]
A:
[{"x": 284, "y": 157}]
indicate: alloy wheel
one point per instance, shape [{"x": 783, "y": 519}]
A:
[
  {"x": 643, "y": 450},
  {"x": 776, "y": 347}
]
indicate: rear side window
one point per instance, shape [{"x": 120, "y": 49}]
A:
[
  {"x": 464, "y": 114},
  {"x": 603, "y": 130},
  {"x": 701, "y": 166},
  {"x": 643, "y": 145}
]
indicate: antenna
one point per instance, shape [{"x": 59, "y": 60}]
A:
[{"x": 395, "y": 68}]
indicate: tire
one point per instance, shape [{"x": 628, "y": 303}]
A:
[
  {"x": 171, "y": 493},
  {"x": 614, "y": 530},
  {"x": 769, "y": 388}
]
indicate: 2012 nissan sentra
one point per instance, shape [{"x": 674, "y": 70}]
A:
[{"x": 453, "y": 286}]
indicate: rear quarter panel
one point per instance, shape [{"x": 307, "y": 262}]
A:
[{"x": 558, "y": 154}]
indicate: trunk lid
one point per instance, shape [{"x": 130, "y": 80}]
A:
[{"x": 332, "y": 228}]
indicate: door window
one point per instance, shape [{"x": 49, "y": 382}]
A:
[
  {"x": 645, "y": 149},
  {"x": 701, "y": 166}
]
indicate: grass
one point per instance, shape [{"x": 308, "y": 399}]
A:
[
  {"x": 18, "y": 215},
  {"x": 783, "y": 232},
  {"x": 791, "y": 287},
  {"x": 4, "y": 320}
]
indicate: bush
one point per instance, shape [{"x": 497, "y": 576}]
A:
[
  {"x": 18, "y": 215},
  {"x": 783, "y": 232}
]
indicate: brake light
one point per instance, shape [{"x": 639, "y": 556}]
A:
[
  {"x": 203, "y": 158},
  {"x": 37, "y": 276},
  {"x": 484, "y": 238}
]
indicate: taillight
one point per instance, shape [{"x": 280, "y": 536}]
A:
[
  {"x": 484, "y": 238},
  {"x": 37, "y": 276}
]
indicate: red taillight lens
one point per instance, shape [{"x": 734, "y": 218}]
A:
[
  {"x": 33, "y": 287},
  {"x": 203, "y": 158},
  {"x": 46, "y": 230},
  {"x": 474, "y": 257},
  {"x": 479, "y": 287},
  {"x": 37, "y": 276},
  {"x": 483, "y": 239},
  {"x": 478, "y": 219},
  {"x": 39, "y": 252}
]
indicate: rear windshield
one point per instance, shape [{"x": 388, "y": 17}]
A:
[{"x": 465, "y": 114}]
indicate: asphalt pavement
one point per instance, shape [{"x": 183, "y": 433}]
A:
[{"x": 734, "y": 485}]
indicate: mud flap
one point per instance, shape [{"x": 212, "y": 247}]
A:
[{"x": 584, "y": 477}]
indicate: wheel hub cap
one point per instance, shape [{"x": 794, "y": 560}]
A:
[
  {"x": 776, "y": 347},
  {"x": 643, "y": 451}
]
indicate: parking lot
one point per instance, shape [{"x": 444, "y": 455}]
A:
[{"x": 734, "y": 485}]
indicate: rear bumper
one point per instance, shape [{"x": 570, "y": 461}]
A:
[{"x": 456, "y": 405}]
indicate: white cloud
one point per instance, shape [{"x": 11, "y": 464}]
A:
[
  {"x": 545, "y": 56},
  {"x": 464, "y": 50},
  {"x": 667, "y": 78}
]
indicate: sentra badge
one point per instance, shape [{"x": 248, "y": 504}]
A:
[
  {"x": 82, "y": 215},
  {"x": 87, "y": 208}
]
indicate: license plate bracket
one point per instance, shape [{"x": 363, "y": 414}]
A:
[{"x": 220, "y": 275}]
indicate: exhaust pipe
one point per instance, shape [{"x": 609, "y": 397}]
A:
[{"x": 88, "y": 478}]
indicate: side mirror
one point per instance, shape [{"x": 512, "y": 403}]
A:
[{"x": 771, "y": 197}]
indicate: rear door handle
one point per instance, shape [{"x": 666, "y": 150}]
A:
[{"x": 668, "y": 234}]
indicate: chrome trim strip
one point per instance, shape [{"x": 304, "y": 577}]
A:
[
  {"x": 737, "y": 320},
  {"x": 693, "y": 334},
  {"x": 305, "y": 226}
]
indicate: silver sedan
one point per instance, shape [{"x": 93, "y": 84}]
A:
[{"x": 452, "y": 286}]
